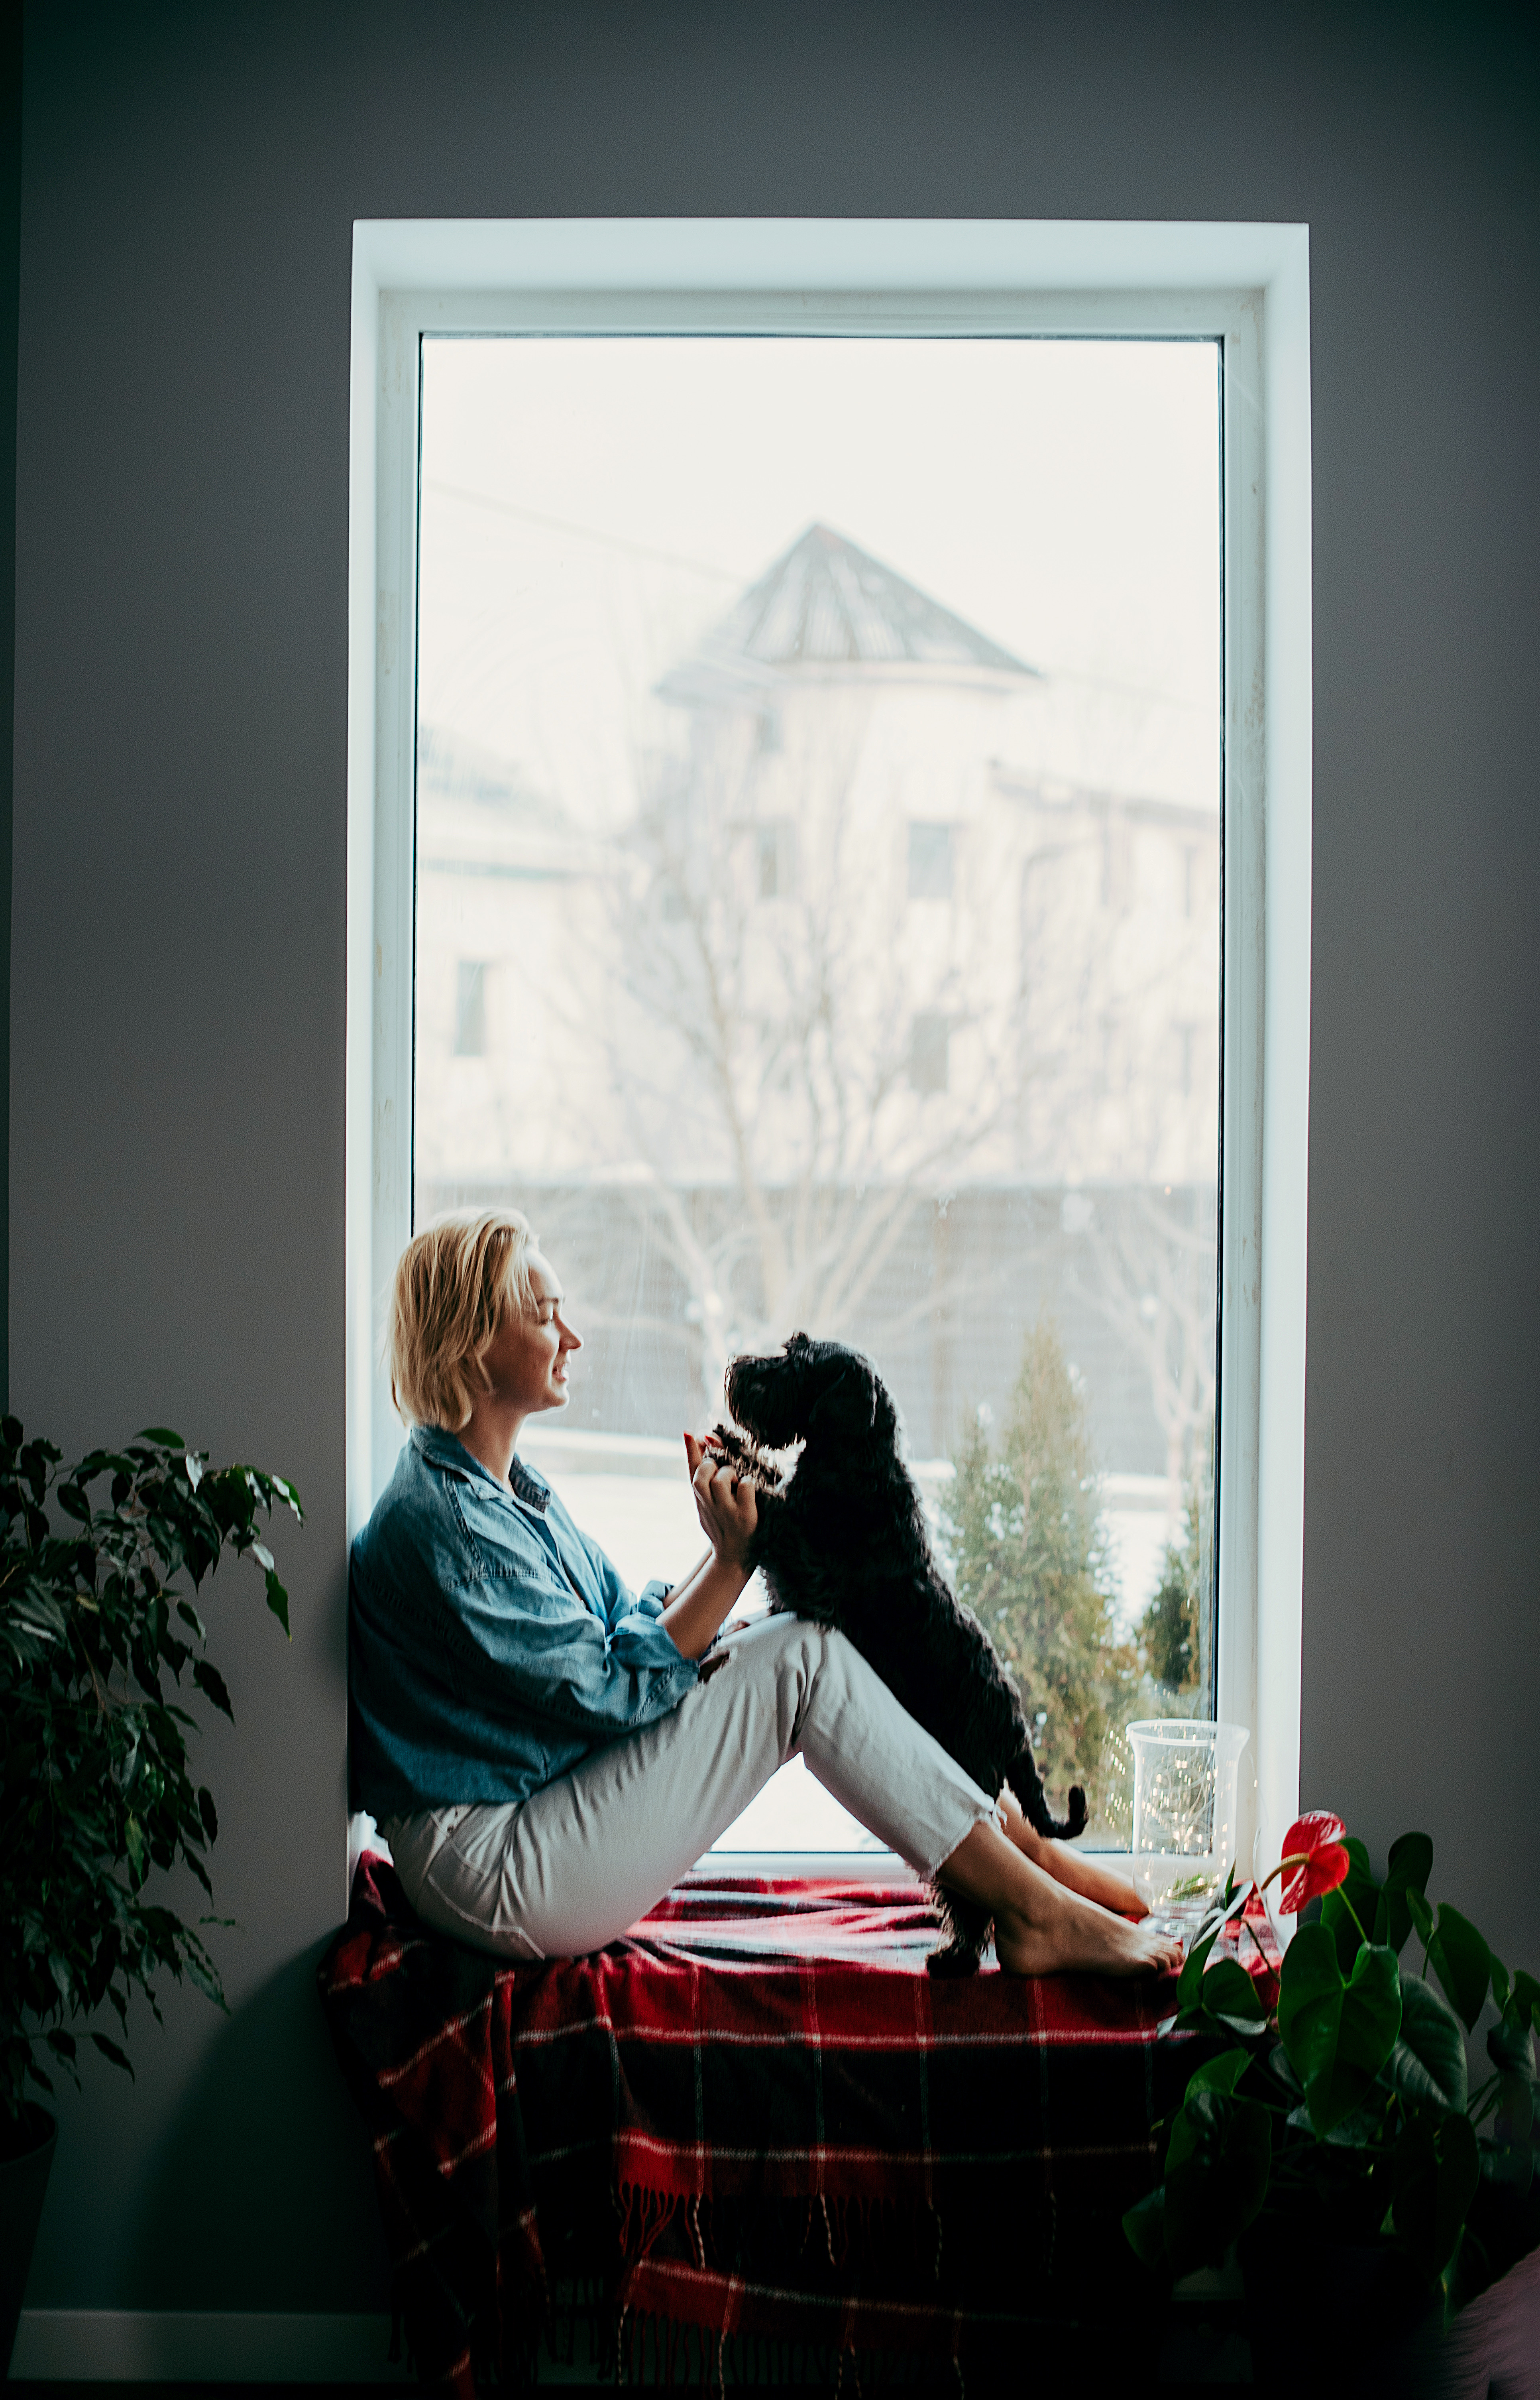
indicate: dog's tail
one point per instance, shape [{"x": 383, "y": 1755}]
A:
[{"x": 1026, "y": 1783}]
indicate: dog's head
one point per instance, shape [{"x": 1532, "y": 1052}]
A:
[{"x": 810, "y": 1389}]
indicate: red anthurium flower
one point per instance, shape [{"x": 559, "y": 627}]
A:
[{"x": 1314, "y": 1860}]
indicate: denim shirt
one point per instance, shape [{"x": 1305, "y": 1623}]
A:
[{"x": 491, "y": 1645}]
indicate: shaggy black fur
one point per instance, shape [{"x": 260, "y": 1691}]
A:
[{"x": 842, "y": 1540}]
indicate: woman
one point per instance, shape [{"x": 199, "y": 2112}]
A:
[{"x": 545, "y": 1754}]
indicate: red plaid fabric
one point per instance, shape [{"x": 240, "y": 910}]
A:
[{"x": 756, "y": 2115}]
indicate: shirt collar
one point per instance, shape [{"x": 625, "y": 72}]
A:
[{"x": 441, "y": 1449}]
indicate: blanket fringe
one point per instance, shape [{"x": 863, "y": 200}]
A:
[{"x": 652, "y": 2349}]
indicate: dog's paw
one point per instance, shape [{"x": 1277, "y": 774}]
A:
[{"x": 953, "y": 1959}]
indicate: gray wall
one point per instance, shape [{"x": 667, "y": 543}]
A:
[{"x": 190, "y": 176}]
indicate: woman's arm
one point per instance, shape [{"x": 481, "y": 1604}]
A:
[{"x": 729, "y": 1515}]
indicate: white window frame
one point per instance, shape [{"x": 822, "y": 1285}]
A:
[{"x": 1245, "y": 285}]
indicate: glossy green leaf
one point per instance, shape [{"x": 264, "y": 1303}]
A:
[
  {"x": 1229, "y": 1994},
  {"x": 1144, "y": 2226},
  {"x": 1510, "y": 2046},
  {"x": 1217, "y": 2163},
  {"x": 1189, "y": 1983},
  {"x": 1277, "y": 2059},
  {"x": 211, "y": 1682},
  {"x": 1410, "y": 1863},
  {"x": 1219, "y": 2074},
  {"x": 1523, "y": 2001},
  {"x": 1428, "y": 2062},
  {"x": 278, "y": 1601},
  {"x": 1361, "y": 2126},
  {"x": 1351, "y": 1908},
  {"x": 1460, "y": 1961},
  {"x": 1338, "y": 2031}
]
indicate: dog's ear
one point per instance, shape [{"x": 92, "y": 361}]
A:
[{"x": 850, "y": 1400}]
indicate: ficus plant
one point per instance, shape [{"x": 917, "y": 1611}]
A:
[
  {"x": 101, "y": 1648},
  {"x": 1340, "y": 2095}
]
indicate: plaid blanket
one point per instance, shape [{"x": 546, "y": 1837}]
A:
[{"x": 758, "y": 2117}]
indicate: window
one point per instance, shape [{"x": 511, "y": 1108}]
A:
[
  {"x": 617, "y": 794},
  {"x": 773, "y": 859},
  {"x": 470, "y": 1009}
]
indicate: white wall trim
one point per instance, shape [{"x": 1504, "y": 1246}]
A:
[
  {"x": 201, "y": 2346},
  {"x": 1248, "y": 284}
]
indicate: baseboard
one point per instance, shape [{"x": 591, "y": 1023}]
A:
[{"x": 201, "y": 2346}]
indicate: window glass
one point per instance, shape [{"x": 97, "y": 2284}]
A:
[
  {"x": 818, "y": 845},
  {"x": 929, "y": 861},
  {"x": 470, "y": 1009}
]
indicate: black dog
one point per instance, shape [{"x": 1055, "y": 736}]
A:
[{"x": 843, "y": 1540}]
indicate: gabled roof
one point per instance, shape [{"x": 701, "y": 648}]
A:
[{"x": 827, "y": 604}]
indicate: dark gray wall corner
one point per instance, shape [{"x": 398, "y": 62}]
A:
[{"x": 189, "y": 182}]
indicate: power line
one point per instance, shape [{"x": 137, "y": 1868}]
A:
[{"x": 584, "y": 533}]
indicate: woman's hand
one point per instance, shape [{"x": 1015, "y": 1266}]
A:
[{"x": 725, "y": 1504}]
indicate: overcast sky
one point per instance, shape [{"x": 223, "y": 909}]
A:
[{"x": 1062, "y": 496}]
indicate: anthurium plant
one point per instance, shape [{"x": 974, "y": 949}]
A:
[
  {"x": 101, "y": 1643},
  {"x": 1341, "y": 2094}
]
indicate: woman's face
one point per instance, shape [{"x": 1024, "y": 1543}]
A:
[{"x": 527, "y": 1364}]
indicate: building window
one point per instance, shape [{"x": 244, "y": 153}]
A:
[
  {"x": 772, "y": 859},
  {"x": 714, "y": 1081},
  {"x": 930, "y": 1041},
  {"x": 930, "y": 861},
  {"x": 470, "y": 1009}
]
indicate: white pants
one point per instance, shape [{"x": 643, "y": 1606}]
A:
[{"x": 569, "y": 1869}]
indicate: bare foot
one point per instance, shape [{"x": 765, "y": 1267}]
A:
[
  {"x": 1042, "y": 1926},
  {"x": 1081, "y": 1935},
  {"x": 1084, "y": 1871}
]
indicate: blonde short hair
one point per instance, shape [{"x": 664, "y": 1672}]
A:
[{"x": 456, "y": 1283}]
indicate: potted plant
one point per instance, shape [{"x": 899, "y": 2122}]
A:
[
  {"x": 1331, "y": 2135},
  {"x": 100, "y": 1647}
]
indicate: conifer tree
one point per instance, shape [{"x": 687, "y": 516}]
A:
[
  {"x": 1175, "y": 1625},
  {"x": 1023, "y": 1530}
]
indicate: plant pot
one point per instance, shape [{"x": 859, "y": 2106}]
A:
[{"x": 24, "y": 2181}]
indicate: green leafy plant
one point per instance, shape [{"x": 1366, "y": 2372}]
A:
[
  {"x": 99, "y": 1642},
  {"x": 1341, "y": 2096}
]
